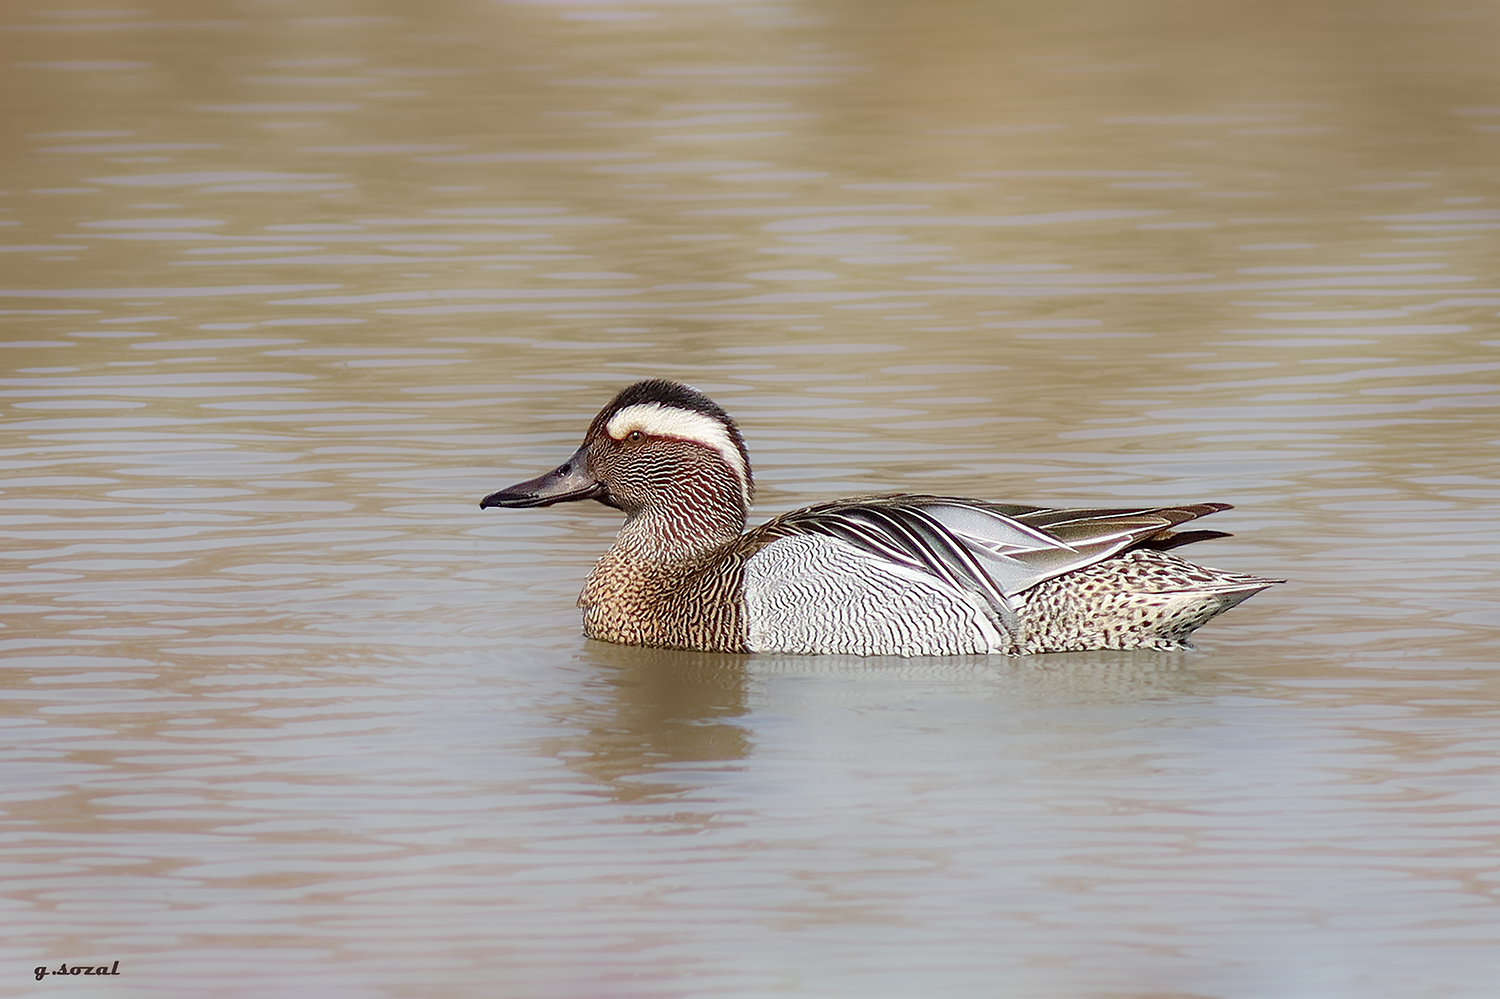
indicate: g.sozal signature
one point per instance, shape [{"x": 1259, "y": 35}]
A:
[{"x": 78, "y": 969}]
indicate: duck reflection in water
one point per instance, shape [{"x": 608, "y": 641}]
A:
[
  {"x": 661, "y": 724},
  {"x": 663, "y": 710}
]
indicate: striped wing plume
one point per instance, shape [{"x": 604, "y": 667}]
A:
[{"x": 995, "y": 550}]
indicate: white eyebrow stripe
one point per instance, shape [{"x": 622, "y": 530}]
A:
[{"x": 656, "y": 420}]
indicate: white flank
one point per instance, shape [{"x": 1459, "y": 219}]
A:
[
  {"x": 810, "y": 593},
  {"x": 656, "y": 420}
]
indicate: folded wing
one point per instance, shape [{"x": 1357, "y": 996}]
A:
[{"x": 991, "y": 549}]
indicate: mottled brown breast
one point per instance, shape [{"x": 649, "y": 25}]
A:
[{"x": 680, "y": 604}]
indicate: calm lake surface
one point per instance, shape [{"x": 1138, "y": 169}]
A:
[{"x": 285, "y": 288}]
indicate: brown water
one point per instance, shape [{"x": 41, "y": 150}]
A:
[{"x": 287, "y": 287}]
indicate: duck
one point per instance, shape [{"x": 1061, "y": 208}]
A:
[{"x": 893, "y": 574}]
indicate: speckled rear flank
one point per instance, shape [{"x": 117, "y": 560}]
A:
[{"x": 1143, "y": 599}]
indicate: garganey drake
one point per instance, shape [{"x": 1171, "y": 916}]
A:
[{"x": 895, "y": 574}]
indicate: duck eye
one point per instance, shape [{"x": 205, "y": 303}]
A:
[{"x": 635, "y": 436}]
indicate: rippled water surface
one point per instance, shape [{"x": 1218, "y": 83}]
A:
[{"x": 285, "y": 288}]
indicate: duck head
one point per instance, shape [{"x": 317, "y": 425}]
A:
[{"x": 661, "y": 452}]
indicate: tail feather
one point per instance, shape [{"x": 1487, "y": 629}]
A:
[{"x": 1168, "y": 540}]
